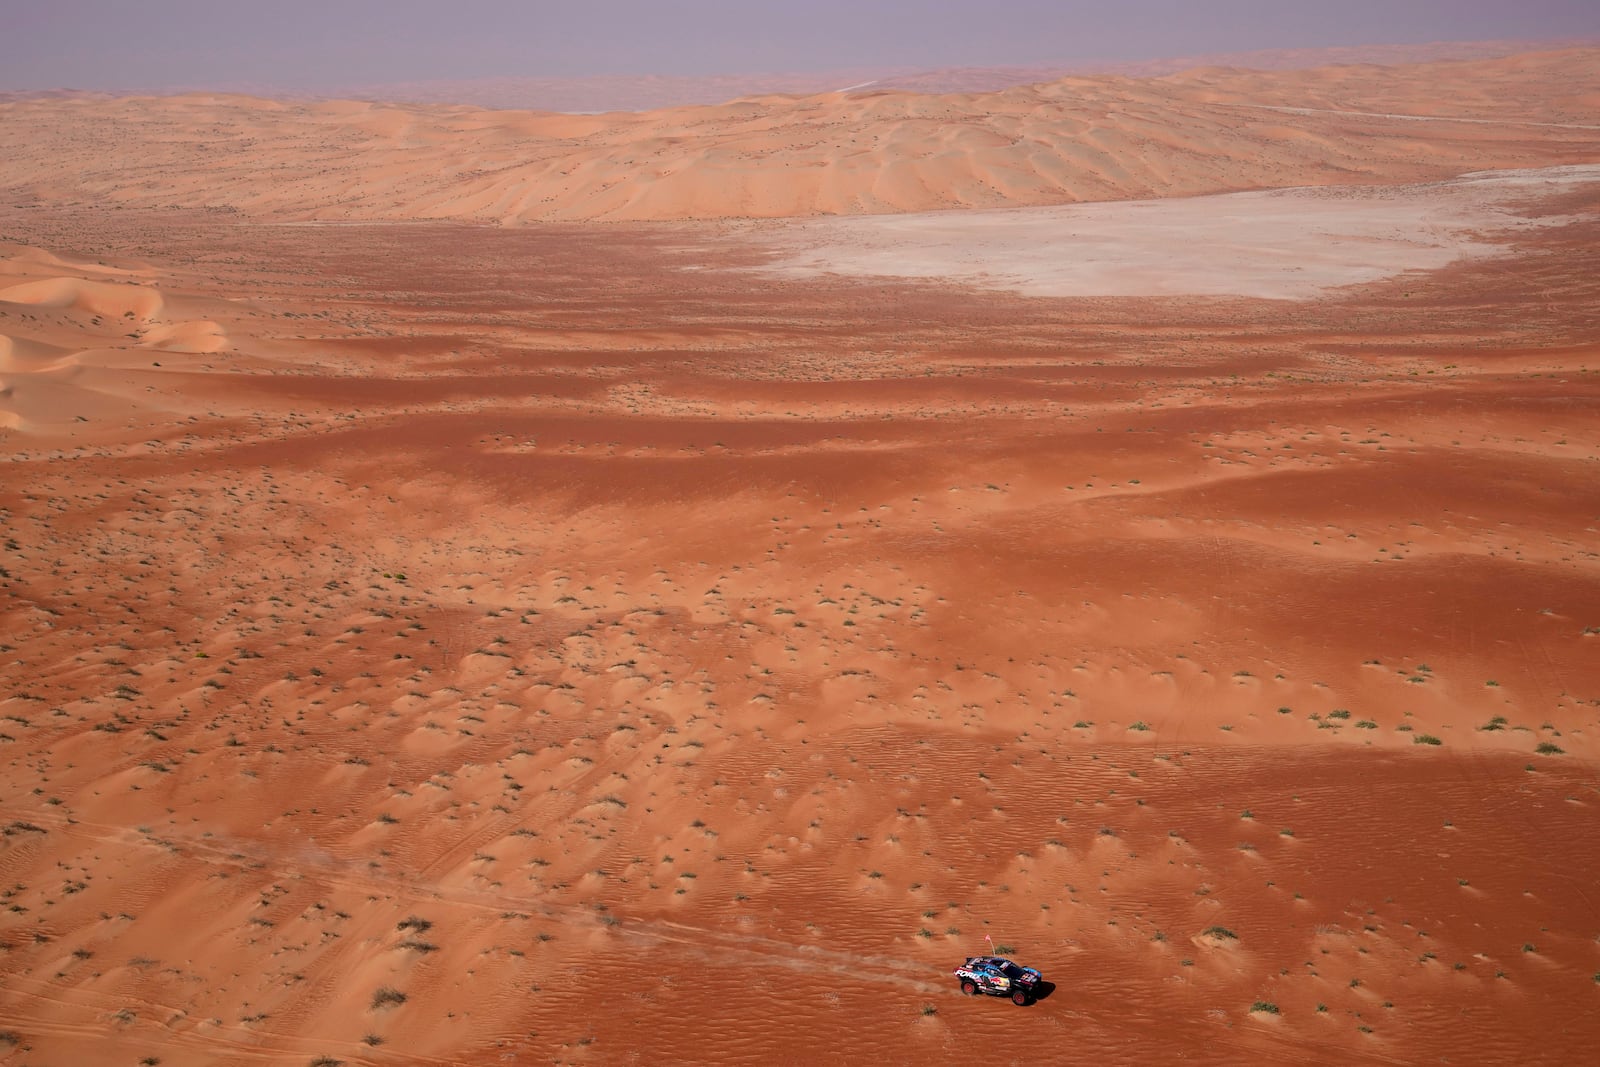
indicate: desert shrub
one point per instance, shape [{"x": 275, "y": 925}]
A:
[{"x": 386, "y": 996}]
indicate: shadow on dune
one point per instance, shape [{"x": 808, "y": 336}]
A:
[{"x": 1042, "y": 989}]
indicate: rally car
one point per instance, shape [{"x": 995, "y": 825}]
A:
[{"x": 998, "y": 977}]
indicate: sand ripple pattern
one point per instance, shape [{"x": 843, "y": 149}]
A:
[{"x": 1067, "y": 141}]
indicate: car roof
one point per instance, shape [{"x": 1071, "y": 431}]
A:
[{"x": 990, "y": 961}]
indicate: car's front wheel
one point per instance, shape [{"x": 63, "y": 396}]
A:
[
  {"x": 1019, "y": 998},
  {"x": 969, "y": 987}
]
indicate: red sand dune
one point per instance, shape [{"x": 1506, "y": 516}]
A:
[
  {"x": 435, "y": 643},
  {"x": 1078, "y": 139}
]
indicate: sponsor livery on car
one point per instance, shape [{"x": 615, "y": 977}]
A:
[{"x": 998, "y": 977}]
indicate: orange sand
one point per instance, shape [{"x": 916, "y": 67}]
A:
[
  {"x": 427, "y": 643},
  {"x": 1076, "y": 139}
]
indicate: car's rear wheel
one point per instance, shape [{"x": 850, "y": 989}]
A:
[
  {"x": 969, "y": 987},
  {"x": 1019, "y": 998}
]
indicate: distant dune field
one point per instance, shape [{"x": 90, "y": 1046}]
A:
[{"x": 1077, "y": 139}]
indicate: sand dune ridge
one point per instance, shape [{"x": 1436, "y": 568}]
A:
[{"x": 1076, "y": 139}]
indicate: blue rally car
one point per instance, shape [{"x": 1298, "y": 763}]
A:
[{"x": 998, "y": 977}]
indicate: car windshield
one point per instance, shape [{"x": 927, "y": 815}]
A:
[{"x": 1010, "y": 970}]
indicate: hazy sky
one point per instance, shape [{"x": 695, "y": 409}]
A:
[{"x": 313, "y": 44}]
